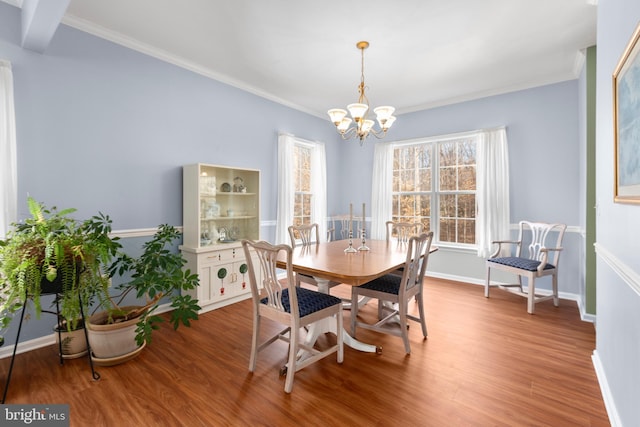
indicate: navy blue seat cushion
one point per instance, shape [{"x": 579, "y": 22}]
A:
[
  {"x": 521, "y": 263},
  {"x": 308, "y": 301},
  {"x": 389, "y": 283}
]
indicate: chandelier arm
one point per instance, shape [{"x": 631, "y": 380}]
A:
[
  {"x": 378, "y": 134},
  {"x": 349, "y": 133}
]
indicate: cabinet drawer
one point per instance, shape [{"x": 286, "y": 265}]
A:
[{"x": 221, "y": 256}]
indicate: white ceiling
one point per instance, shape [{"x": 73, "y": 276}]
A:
[{"x": 302, "y": 53}]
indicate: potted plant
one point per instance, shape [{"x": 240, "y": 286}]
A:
[
  {"x": 71, "y": 339},
  {"x": 53, "y": 253},
  {"x": 118, "y": 332}
]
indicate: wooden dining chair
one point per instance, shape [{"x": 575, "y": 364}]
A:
[
  {"x": 541, "y": 260},
  {"x": 306, "y": 235},
  {"x": 402, "y": 230},
  {"x": 282, "y": 301},
  {"x": 397, "y": 291}
]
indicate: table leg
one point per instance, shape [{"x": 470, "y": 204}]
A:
[{"x": 326, "y": 325}]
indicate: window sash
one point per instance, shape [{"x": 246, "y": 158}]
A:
[{"x": 430, "y": 157}]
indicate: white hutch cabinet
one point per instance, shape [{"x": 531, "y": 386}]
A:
[{"x": 221, "y": 206}]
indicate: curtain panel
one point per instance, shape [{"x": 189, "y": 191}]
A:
[
  {"x": 381, "y": 189},
  {"x": 492, "y": 190},
  {"x": 8, "y": 157}
]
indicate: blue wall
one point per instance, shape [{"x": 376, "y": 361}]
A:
[
  {"x": 617, "y": 355},
  {"x": 104, "y": 128}
]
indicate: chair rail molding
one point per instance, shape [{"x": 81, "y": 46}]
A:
[{"x": 620, "y": 268}]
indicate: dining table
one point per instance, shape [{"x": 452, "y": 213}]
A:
[{"x": 334, "y": 261}]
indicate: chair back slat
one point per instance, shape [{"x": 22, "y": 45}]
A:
[
  {"x": 541, "y": 234},
  {"x": 402, "y": 230},
  {"x": 307, "y": 234}
]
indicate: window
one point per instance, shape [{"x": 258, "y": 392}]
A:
[
  {"x": 301, "y": 184},
  {"x": 434, "y": 182}
]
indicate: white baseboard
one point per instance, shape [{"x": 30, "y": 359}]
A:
[
  {"x": 26, "y": 346},
  {"x": 609, "y": 403}
]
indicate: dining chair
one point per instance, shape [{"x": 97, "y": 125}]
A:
[
  {"x": 402, "y": 230},
  {"x": 542, "y": 260},
  {"x": 306, "y": 235},
  {"x": 282, "y": 301},
  {"x": 397, "y": 291},
  {"x": 331, "y": 229}
]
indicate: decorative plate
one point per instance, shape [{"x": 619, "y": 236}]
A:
[{"x": 225, "y": 187}]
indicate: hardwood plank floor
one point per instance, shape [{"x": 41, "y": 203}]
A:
[{"x": 486, "y": 362}]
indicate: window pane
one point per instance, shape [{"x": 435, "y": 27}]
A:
[
  {"x": 466, "y": 231},
  {"x": 447, "y": 179},
  {"x": 304, "y": 169},
  {"x": 395, "y": 186},
  {"x": 306, "y": 205},
  {"x": 424, "y": 180},
  {"x": 447, "y": 230},
  {"x": 467, "y": 206},
  {"x": 467, "y": 152},
  {"x": 447, "y": 206},
  {"x": 407, "y": 206},
  {"x": 425, "y": 205},
  {"x": 447, "y": 154},
  {"x": 407, "y": 182},
  {"x": 302, "y": 185},
  {"x": 467, "y": 178}
]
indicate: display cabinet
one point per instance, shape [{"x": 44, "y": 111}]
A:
[{"x": 221, "y": 206}]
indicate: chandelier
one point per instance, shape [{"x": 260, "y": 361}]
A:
[{"x": 363, "y": 126}]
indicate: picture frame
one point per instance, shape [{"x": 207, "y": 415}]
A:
[{"x": 626, "y": 114}]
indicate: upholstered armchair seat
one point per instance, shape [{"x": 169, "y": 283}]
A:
[{"x": 521, "y": 263}]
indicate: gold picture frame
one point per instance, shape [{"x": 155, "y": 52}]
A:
[{"x": 626, "y": 121}]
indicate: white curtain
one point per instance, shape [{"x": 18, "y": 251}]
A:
[
  {"x": 286, "y": 189},
  {"x": 8, "y": 157},
  {"x": 381, "y": 189},
  {"x": 319, "y": 189},
  {"x": 492, "y": 189}
]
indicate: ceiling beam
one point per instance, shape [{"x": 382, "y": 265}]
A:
[{"x": 40, "y": 19}]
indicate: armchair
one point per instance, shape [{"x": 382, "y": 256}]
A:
[{"x": 542, "y": 260}]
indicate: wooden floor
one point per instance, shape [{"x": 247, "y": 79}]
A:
[{"x": 486, "y": 363}]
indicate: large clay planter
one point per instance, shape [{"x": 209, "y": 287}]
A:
[{"x": 112, "y": 343}]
